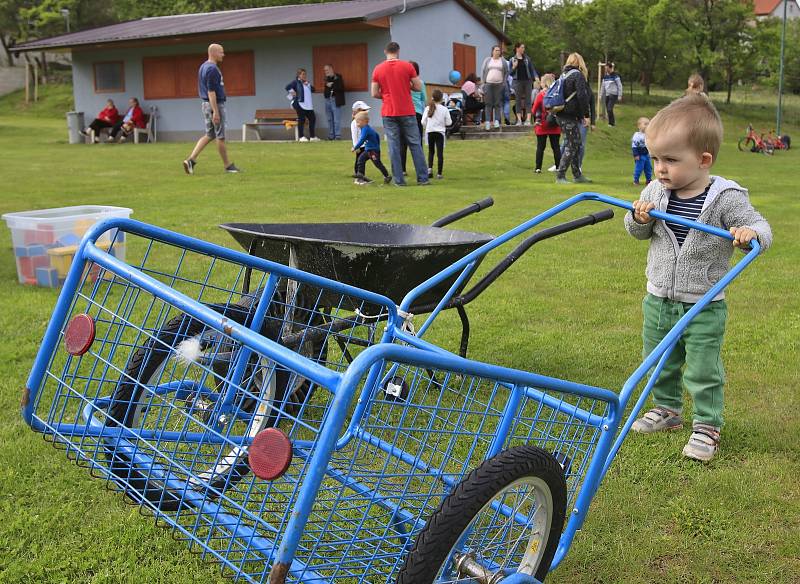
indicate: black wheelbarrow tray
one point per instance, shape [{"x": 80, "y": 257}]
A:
[{"x": 391, "y": 258}]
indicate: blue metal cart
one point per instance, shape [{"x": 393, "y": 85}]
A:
[{"x": 295, "y": 440}]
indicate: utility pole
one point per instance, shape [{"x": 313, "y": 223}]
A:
[
  {"x": 65, "y": 14},
  {"x": 780, "y": 74}
]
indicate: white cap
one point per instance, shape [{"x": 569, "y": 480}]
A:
[{"x": 360, "y": 105}]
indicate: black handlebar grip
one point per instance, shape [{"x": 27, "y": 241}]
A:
[
  {"x": 603, "y": 215},
  {"x": 484, "y": 203}
]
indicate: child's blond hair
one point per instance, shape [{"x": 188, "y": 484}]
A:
[
  {"x": 548, "y": 79},
  {"x": 695, "y": 117},
  {"x": 696, "y": 83},
  {"x": 362, "y": 115}
]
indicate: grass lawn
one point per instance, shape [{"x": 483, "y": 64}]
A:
[{"x": 570, "y": 309}]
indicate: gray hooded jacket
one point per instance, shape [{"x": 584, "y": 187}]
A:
[{"x": 684, "y": 273}]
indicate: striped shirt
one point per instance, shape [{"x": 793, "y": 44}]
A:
[{"x": 687, "y": 209}]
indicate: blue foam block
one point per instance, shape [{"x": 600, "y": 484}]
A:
[
  {"x": 36, "y": 250},
  {"x": 21, "y": 252},
  {"x": 68, "y": 239},
  {"x": 47, "y": 277}
]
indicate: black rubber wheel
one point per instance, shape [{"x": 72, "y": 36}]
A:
[
  {"x": 127, "y": 405},
  {"x": 456, "y": 536},
  {"x": 746, "y": 144}
]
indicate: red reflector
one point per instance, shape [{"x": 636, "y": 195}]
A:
[
  {"x": 270, "y": 454},
  {"x": 79, "y": 334}
]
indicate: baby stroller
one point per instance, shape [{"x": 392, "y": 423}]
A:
[{"x": 455, "y": 107}]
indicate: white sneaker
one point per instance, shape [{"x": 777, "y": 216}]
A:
[
  {"x": 519, "y": 123},
  {"x": 303, "y": 139},
  {"x": 497, "y": 124},
  {"x": 314, "y": 139},
  {"x": 488, "y": 126},
  {"x": 552, "y": 168},
  {"x": 527, "y": 124}
]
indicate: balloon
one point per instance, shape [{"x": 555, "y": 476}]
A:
[{"x": 455, "y": 77}]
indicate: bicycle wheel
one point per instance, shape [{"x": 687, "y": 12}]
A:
[
  {"x": 266, "y": 384},
  {"x": 506, "y": 515},
  {"x": 746, "y": 144}
]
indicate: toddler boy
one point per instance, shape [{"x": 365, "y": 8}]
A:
[
  {"x": 370, "y": 141},
  {"x": 682, "y": 264},
  {"x": 355, "y": 131},
  {"x": 641, "y": 156}
]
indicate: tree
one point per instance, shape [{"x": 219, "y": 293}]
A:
[
  {"x": 708, "y": 23},
  {"x": 9, "y": 26}
]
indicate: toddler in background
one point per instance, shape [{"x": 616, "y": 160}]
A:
[
  {"x": 641, "y": 155},
  {"x": 355, "y": 132},
  {"x": 435, "y": 120},
  {"x": 369, "y": 143}
]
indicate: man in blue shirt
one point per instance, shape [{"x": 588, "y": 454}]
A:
[{"x": 211, "y": 88}]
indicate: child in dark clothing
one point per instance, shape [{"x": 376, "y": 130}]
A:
[
  {"x": 371, "y": 142},
  {"x": 641, "y": 155}
]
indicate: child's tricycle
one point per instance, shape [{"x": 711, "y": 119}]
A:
[{"x": 296, "y": 428}]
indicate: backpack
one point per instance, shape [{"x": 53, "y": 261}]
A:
[{"x": 554, "y": 99}]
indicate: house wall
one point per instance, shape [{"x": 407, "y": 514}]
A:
[
  {"x": 792, "y": 10},
  {"x": 426, "y": 35},
  {"x": 276, "y": 60}
]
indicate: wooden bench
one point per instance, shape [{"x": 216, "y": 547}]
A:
[{"x": 272, "y": 117}]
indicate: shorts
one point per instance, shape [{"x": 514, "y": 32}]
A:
[{"x": 214, "y": 132}]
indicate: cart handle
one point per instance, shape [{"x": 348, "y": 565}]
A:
[
  {"x": 533, "y": 222},
  {"x": 475, "y": 207},
  {"x": 518, "y": 252}
]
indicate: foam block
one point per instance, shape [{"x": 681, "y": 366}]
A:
[
  {"x": 26, "y": 251},
  {"x": 68, "y": 239},
  {"x": 28, "y": 265},
  {"x": 82, "y": 226},
  {"x": 25, "y": 266},
  {"x": 47, "y": 277},
  {"x": 43, "y": 234}
]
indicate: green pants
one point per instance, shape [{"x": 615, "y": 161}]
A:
[{"x": 699, "y": 349}]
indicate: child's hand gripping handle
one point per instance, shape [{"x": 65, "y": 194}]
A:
[{"x": 734, "y": 235}]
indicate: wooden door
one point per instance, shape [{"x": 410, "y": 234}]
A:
[{"x": 464, "y": 60}]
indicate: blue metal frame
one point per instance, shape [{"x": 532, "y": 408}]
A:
[{"x": 366, "y": 367}]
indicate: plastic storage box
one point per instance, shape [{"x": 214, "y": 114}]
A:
[{"x": 45, "y": 241}]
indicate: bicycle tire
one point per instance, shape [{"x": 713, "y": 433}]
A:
[
  {"x": 145, "y": 364},
  {"x": 435, "y": 544},
  {"x": 746, "y": 144}
]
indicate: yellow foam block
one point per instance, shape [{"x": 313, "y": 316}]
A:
[
  {"x": 82, "y": 226},
  {"x": 61, "y": 257}
]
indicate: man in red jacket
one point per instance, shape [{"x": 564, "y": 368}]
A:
[{"x": 134, "y": 118}]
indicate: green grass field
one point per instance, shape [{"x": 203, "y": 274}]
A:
[{"x": 570, "y": 308}]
